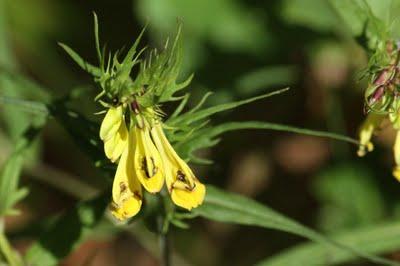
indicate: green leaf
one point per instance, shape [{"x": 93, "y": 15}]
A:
[
  {"x": 317, "y": 15},
  {"x": 10, "y": 194},
  {"x": 95, "y": 71},
  {"x": 230, "y": 25},
  {"x": 67, "y": 232},
  {"x": 378, "y": 239},
  {"x": 190, "y": 117},
  {"x": 349, "y": 197},
  {"x": 232, "y": 208},
  {"x": 361, "y": 18},
  {"x": 266, "y": 77},
  {"x": 205, "y": 137}
]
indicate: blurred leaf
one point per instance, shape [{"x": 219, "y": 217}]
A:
[
  {"x": 83, "y": 131},
  {"x": 10, "y": 194},
  {"x": 350, "y": 198},
  {"x": 6, "y": 56},
  {"x": 377, "y": 239},
  {"x": 263, "y": 78},
  {"x": 363, "y": 19},
  {"x": 7, "y": 253},
  {"x": 317, "y": 15},
  {"x": 232, "y": 208},
  {"x": 13, "y": 85},
  {"x": 70, "y": 229},
  {"x": 230, "y": 25}
]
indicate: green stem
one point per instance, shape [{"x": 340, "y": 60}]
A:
[
  {"x": 165, "y": 249},
  {"x": 164, "y": 220},
  {"x": 6, "y": 249}
]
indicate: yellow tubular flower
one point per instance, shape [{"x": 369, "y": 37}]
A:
[
  {"x": 147, "y": 161},
  {"x": 365, "y": 133},
  {"x": 111, "y": 123},
  {"x": 114, "y": 146},
  {"x": 396, "y": 151},
  {"x": 186, "y": 191},
  {"x": 126, "y": 191}
]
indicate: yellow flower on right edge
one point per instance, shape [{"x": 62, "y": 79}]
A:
[
  {"x": 367, "y": 129},
  {"x": 145, "y": 159}
]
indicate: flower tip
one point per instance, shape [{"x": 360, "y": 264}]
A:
[
  {"x": 130, "y": 207},
  {"x": 396, "y": 173},
  {"x": 363, "y": 149},
  {"x": 189, "y": 199}
]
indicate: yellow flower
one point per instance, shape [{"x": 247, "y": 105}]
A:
[
  {"x": 396, "y": 151},
  {"x": 365, "y": 133},
  {"x": 111, "y": 123},
  {"x": 114, "y": 133},
  {"x": 186, "y": 191},
  {"x": 126, "y": 191},
  {"x": 147, "y": 161},
  {"x": 146, "y": 158},
  {"x": 114, "y": 147}
]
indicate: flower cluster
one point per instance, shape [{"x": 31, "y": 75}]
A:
[
  {"x": 132, "y": 130},
  {"x": 382, "y": 99},
  {"x": 135, "y": 138}
]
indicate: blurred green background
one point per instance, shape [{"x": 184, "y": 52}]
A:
[{"x": 236, "y": 49}]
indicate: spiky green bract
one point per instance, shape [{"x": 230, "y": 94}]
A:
[
  {"x": 159, "y": 73},
  {"x": 155, "y": 83}
]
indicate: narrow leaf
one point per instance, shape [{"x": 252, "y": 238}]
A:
[
  {"x": 204, "y": 138},
  {"x": 231, "y": 208},
  {"x": 193, "y": 117},
  {"x": 95, "y": 71},
  {"x": 374, "y": 240}
]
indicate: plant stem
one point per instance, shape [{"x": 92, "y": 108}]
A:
[
  {"x": 163, "y": 226},
  {"x": 165, "y": 249}
]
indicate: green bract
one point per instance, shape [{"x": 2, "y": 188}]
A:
[{"x": 156, "y": 81}]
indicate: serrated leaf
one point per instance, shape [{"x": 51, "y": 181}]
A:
[
  {"x": 374, "y": 240},
  {"x": 232, "y": 208},
  {"x": 95, "y": 71},
  {"x": 68, "y": 231}
]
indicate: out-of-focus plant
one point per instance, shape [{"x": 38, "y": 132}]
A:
[{"x": 379, "y": 38}]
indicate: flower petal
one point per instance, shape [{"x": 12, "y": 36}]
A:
[
  {"x": 148, "y": 164},
  {"x": 114, "y": 147},
  {"x": 396, "y": 151},
  {"x": 365, "y": 133},
  {"x": 111, "y": 123},
  {"x": 186, "y": 191},
  {"x": 188, "y": 198},
  {"x": 126, "y": 191}
]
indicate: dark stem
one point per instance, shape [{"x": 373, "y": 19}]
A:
[{"x": 165, "y": 249}]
